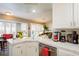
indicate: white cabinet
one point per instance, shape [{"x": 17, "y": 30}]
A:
[
  {"x": 18, "y": 50},
  {"x": 66, "y": 15},
  {"x": 76, "y": 15},
  {"x": 62, "y": 15},
  {"x": 32, "y": 49},
  {"x": 24, "y": 49},
  {"x": 64, "y": 52}
]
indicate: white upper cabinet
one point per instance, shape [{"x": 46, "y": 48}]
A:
[
  {"x": 62, "y": 15},
  {"x": 76, "y": 15},
  {"x": 66, "y": 15}
]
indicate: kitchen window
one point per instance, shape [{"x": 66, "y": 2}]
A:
[
  {"x": 7, "y": 28},
  {"x": 36, "y": 29},
  {"x": 24, "y": 26},
  {"x": 13, "y": 28},
  {"x": 24, "y": 29},
  {"x": 2, "y": 28}
]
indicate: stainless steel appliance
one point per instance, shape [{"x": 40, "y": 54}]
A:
[
  {"x": 75, "y": 37},
  {"x": 69, "y": 38}
]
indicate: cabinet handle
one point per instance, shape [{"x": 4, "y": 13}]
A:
[
  {"x": 36, "y": 50},
  {"x": 70, "y": 23},
  {"x": 74, "y": 23},
  {"x": 21, "y": 51}
]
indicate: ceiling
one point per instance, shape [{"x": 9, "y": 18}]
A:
[{"x": 42, "y": 11}]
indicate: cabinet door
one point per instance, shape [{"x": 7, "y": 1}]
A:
[
  {"x": 76, "y": 14},
  {"x": 18, "y": 50},
  {"x": 32, "y": 49},
  {"x": 63, "y": 52},
  {"x": 62, "y": 15}
]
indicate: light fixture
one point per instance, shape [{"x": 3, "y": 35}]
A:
[
  {"x": 33, "y": 10},
  {"x": 8, "y": 13}
]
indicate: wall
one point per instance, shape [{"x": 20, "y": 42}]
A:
[{"x": 17, "y": 19}]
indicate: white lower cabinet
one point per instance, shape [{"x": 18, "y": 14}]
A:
[
  {"x": 17, "y": 50},
  {"x": 32, "y": 49},
  {"x": 24, "y": 49},
  {"x": 63, "y": 52}
]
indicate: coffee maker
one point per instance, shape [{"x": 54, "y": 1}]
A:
[{"x": 75, "y": 37}]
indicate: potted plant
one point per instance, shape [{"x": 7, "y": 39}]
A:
[
  {"x": 46, "y": 32},
  {"x": 45, "y": 28}
]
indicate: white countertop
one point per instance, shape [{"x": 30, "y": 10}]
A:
[
  {"x": 64, "y": 45},
  {"x": 18, "y": 40},
  {"x": 68, "y": 46}
]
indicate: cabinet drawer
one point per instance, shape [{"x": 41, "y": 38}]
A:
[{"x": 32, "y": 44}]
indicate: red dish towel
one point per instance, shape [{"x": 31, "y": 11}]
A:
[{"x": 45, "y": 52}]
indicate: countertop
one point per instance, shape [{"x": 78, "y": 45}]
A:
[
  {"x": 67, "y": 46},
  {"x": 18, "y": 40},
  {"x": 62, "y": 45}
]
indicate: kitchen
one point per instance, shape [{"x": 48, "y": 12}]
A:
[{"x": 33, "y": 29}]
